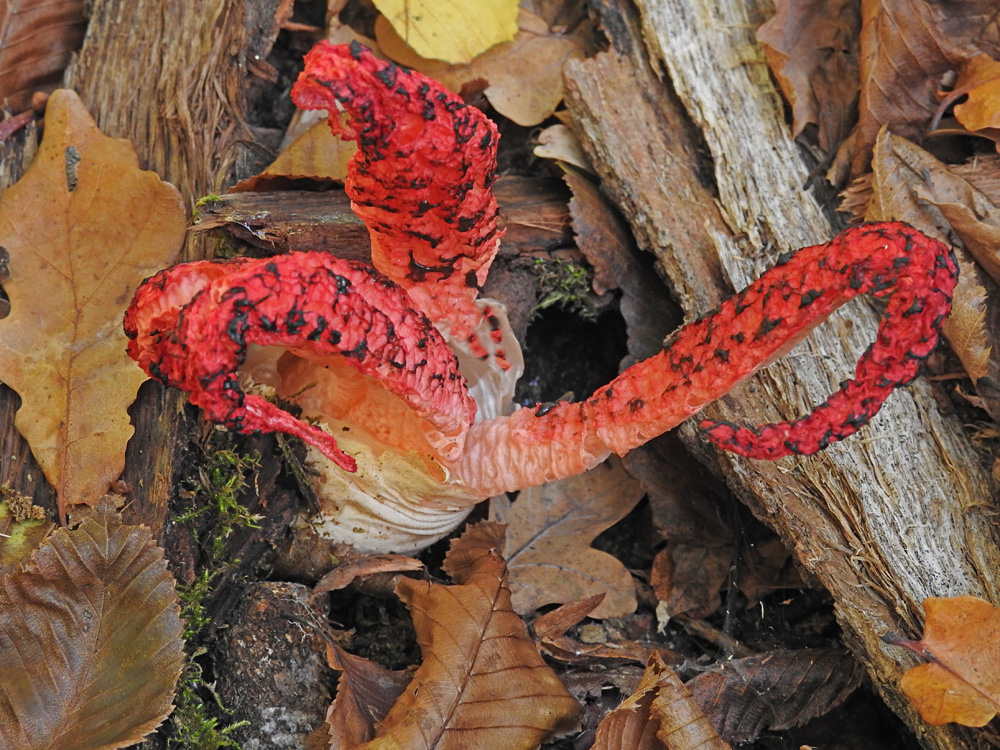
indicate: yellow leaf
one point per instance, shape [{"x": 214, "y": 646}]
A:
[
  {"x": 451, "y": 30},
  {"x": 83, "y": 228}
]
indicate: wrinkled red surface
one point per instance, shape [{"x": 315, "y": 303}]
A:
[
  {"x": 421, "y": 182},
  {"x": 710, "y": 356},
  {"x": 190, "y": 325},
  {"x": 421, "y": 179}
]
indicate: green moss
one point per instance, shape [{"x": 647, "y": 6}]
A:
[
  {"x": 215, "y": 512},
  {"x": 564, "y": 284}
]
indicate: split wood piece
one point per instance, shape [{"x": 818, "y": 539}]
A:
[
  {"x": 883, "y": 521},
  {"x": 186, "y": 114}
]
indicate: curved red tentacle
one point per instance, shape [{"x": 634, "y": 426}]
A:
[
  {"x": 421, "y": 180},
  {"x": 310, "y": 303},
  {"x": 710, "y": 356}
]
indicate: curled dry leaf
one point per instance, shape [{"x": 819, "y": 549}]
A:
[
  {"x": 906, "y": 180},
  {"x": 550, "y": 529},
  {"x": 774, "y": 691},
  {"x": 90, "y": 640},
  {"x": 961, "y": 680},
  {"x": 525, "y": 75},
  {"x": 451, "y": 30},
  {"x": 659, "y": 714},
  {"x": 482, "y": 682},
  {"x": 365, "y": 693},
  {"x": 907, "y": 46},
  {"x": 84, "y": 227},
  {"x": 812, "y": 49},
  {"x": 36, "y": 42}
]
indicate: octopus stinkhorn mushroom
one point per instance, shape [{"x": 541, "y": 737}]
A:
[{"x": 404, "y": 376}]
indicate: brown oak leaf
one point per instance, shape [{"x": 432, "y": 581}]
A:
[
  {"x": 550, "y": 529},
  {"x": 83, "y": 227}
]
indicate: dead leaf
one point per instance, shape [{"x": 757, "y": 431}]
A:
[
  {"x": 365, "y": 693},
  {"x": 451, "y": 30},
  {"x": 90, "y": 640},
  {"x": 36, "y": 43},
  {"x": 550, "y": 630},
  {"x": 550, "y": 529},
  {"x": 961, "y": 681},
  {"x": 367, "y": 565},
  {"x": 525, "y": 75},
  {"x": 559, "y": 143},
  {"x": 84, "y": 227},
  {"x": 979, "y": 80},
  {"x": 906, "y": 181},
  {"x": 906, "y": 47},
  {"x": 774, "y": 691},
  {"x": 317, "y": 154},
  {"x": 688, "y": 574},
  {"x": 811, "y": 47},
  {"x": 660, "y": 714},
  {"x": 482, "y": 683}
]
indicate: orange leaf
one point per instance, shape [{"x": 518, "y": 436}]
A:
[
  {"x": 961, "y": 681},
  {"x": 980, "y": 79},
  {"x": 550, "y": 529},
  {"x": 84, "y": 227},
  {"x": 482, "y": 682}
]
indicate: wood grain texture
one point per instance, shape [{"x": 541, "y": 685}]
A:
[{"x": 901, "y": 511}]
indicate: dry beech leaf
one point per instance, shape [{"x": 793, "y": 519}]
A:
[
  {"x": 812, "y": 49},
  {"x": 84, "y": 227},
  {"x": 91, "y": 640},
  {"x": 550, "y": 529},
  {"x": 365, "y": 693},
  {"x": 961, "y": 680},
  {"x": 317, "y": 154},
  {"x": 906, "y": 46},
  {"x": 905, "y": 178},
  {"x": 451, "y": 30},
  {"x": 525, "y": 75},
  {"x": 36, "y": 42},
  {"x": 660, "y": 714},
  {"x": 779, "y": 690},
  {"x": 482, "y": 682}
]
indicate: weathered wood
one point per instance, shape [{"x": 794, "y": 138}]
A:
[
  {"x": 896, "y": 514},
  {"x": 172, "y": 78}
]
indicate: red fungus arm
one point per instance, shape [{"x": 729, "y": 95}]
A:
[
  {"x": 421, "y": 180},
  {"x": 190, "y": 325},
  {"x": 712, "y": 355}
]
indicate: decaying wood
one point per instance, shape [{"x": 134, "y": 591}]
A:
[
  {"x": 533, "y": 214},
  {"x": 898, "y": 513},
  {"x": 173, "y": 78}
]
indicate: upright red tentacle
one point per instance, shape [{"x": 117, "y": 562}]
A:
[
  {"x": 421, "y": 181},
  {"x": 710, "y": 356}
]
